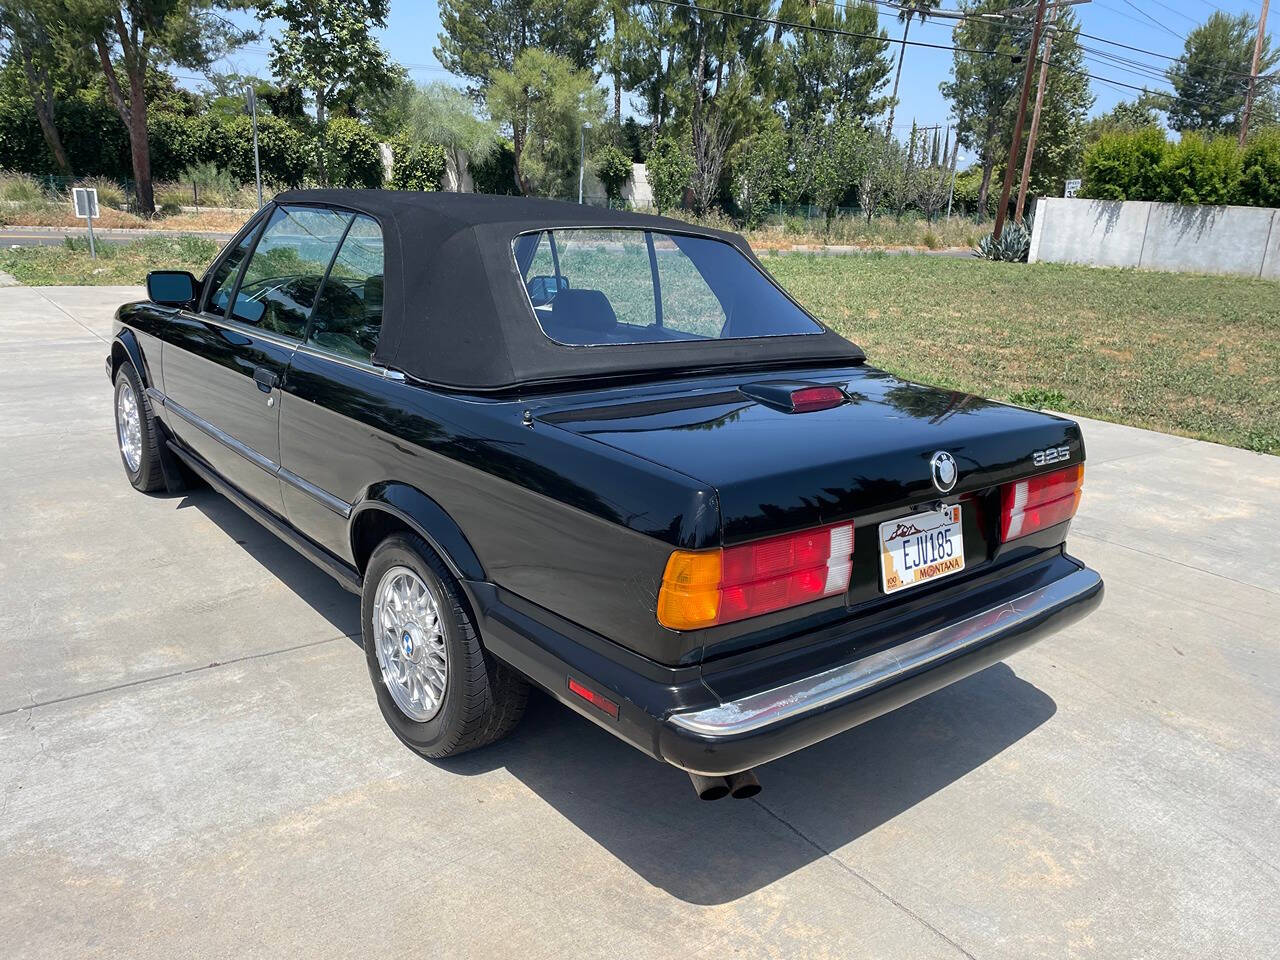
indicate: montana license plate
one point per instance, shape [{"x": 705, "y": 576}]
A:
[{"x": 921, "y": 547}]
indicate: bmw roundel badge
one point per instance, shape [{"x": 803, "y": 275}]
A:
[{"x": 944, "y": 470}]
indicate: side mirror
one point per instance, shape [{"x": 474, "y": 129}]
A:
[{"x": 171, "y": 288}]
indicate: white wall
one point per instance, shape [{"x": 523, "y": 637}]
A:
[{"x": 1158, "y": 236}]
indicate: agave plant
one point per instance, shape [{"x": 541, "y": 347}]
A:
[{"x": 1013, "y": 246}]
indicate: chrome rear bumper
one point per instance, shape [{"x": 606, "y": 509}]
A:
[{"x": 765, "y": 725}]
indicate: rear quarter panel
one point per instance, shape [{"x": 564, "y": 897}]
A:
[{"x": 568, "y": 524}]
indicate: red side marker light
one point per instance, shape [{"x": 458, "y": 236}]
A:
[
  {"x": 597, "y": 700},
  {"x": 808, "y": 399}
]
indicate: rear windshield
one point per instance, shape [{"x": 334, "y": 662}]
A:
[{"x": 592, "y": 287}]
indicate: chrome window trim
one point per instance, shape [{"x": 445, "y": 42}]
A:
[{"x": 827, "y": 689}]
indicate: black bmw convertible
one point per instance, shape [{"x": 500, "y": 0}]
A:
[{"x": 603, "y": 453}]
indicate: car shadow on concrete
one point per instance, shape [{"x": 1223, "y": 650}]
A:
[
  {"x": 319, "y": 590},
  {"x": 645, "y": 812},
  {"x": 814, "y": 801}
]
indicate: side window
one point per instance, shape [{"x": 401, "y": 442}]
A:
[
  {"x": 688, "y": 304},
  {"x": 287, "y": 267},
  {"x": 348, "y": 315},
  {"x": 224, "y": 277}
]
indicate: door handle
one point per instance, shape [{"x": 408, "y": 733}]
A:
[{"x": 265, "y": 379}]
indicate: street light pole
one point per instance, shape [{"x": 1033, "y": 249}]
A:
[
  {"x": 582, "y": 158},
  {"x": 252, "y": 97}
]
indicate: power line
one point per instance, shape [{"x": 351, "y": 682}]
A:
[
  {"x": 1166, "y": 29},
  {"x": 936, "y": 46}
]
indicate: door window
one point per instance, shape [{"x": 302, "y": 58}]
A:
[
  {"x": 286, "y": 270},
  {"x": 348, "y": 314},
  {"x": 224, "y": 277}
]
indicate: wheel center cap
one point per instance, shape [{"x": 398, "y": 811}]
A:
[{"x": 408, "y": 645}]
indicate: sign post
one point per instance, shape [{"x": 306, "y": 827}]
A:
[
  {"x": 86, "y": 204},
  {"x": 1072, "y": 188},
  {"x": 251, "y": 101}
]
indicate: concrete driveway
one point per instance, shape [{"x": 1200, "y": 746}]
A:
[{"x": 192, "y": 763}]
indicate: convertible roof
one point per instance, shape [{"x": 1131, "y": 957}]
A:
[{"x": 455, "y": 311}]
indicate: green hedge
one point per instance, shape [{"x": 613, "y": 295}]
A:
[
  {"x": 97, "y": 145},
  {"x": 416, "y": 166},
  {"x": 1145, "y": 165}
]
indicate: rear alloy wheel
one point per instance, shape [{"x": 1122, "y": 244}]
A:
[
  {"x": 438, "y": 690},
  {"x": 136, "y": 433},
  {"x": 409, "y": 641}
]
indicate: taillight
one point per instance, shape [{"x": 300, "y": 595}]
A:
[
  {"x": 702, "y": 588},
  {"x": 1039, "y": 502}
]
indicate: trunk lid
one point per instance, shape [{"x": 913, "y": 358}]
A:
[{"x": 775, "y": 471}]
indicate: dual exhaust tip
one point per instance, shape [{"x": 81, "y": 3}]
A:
[{"x": 738, "y": 785}]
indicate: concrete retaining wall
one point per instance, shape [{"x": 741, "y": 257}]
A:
[{"x": 1158, "y": 236}]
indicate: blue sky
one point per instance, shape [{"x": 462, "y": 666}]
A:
[{"x": 1155, "y": 25}]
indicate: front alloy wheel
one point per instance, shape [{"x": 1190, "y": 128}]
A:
[{"x": 137, "y": 435}]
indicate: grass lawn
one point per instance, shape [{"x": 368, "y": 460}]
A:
[
  {"x": 1180, "y": 353},
  {"x": 117, "y": 263},
  {"x": 1194, "y": 355}
]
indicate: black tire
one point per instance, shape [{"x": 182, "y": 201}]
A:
[
  {"x": 148, "y": 476},
  {"x": 483, "y": 698}
]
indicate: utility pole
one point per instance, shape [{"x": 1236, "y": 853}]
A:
[
  {"x": 1017, "y": 126},
  {"x": 1035, "y": 117},
  {"x": 1253, "y": 72}
]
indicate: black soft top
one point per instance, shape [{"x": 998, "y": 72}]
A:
[{"x": 455, "y": 310}]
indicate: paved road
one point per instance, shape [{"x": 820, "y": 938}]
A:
[
  {"x": 54, "y": 236},
  {"x": 191, "y": 763}
]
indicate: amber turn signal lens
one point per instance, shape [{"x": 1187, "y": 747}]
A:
[
  {"x": 702, "y": 588},
  {"x": 690, "y": 594}
]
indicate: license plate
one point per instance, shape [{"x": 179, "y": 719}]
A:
[{"x": 920, "y": 548}]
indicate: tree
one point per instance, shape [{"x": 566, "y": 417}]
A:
[
  {"x": 1126, "y": 117},
  {"x": 613, "y": 167},
  {"x": 838, "y": 164},
  {"x": 711, "y": 139},
  {"x": 984, "y": 86},
  {"x": 759, "y": 164},
  {"x": 134, "y": 37},
  {"x": 29, "y": 37},
  {"x": 821, "y": 74},
  {"x": 439, "y": 113},
  {"x": 909, "y": 10},
  {"x": 669, "y": 168},
  {"x": 544, "y": 101},
  {"x": 881, "y": 171},
  {"x": 647, "y": 45},
  {"x": 327, "y": 48},
  {"x": 1210, "y": 79},
  {"x": 480, "y": 38}
]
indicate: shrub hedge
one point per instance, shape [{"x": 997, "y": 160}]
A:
[{"x": 1145, "y": 165}]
